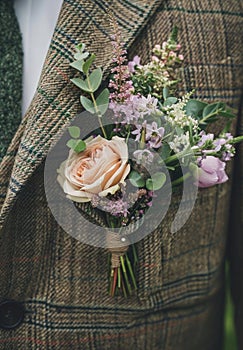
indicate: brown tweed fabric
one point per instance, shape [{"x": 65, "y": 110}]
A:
[{"x": 62, "y": 282}]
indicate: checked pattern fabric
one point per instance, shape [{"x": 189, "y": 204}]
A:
[{"x": 63, "y": 282}]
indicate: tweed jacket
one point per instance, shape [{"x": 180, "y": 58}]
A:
[{"x": 62, "y": 282}]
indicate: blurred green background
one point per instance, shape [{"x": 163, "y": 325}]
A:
[{"x": 230, "y": 342}]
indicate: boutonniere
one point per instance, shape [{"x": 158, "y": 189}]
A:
[{"x": 155, "y": 141}]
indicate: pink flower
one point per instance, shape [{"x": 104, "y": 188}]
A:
[
  {"x": 132, "y": 64},
  {"x": 210, "y": 172},
  {"x": 100, "y": 169}
]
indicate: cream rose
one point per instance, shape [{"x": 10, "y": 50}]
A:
[{"x": 97, "y": 170}]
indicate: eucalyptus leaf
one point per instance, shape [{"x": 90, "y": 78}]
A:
[
  {"x": 80, "y": 47},
  {"x": 81, "y": 56},
  {"x": 165, "y": 92},
  {"x": 95, "y": 79},
  {"x": 87, "y": 104},
  {"x": 103, "y": 101},
  {"x": 194, "y": 108},
  {"x": 212, "y": 108},
  {"x": 81, "y": 84},
  {"x": 156, "y": 181},
  {"x": 80, "y": 146},
  {"x": 74, "y": 131},
  {"x": 71, "y": 143},
  {"x": 136, "y": 179},
  {"x": 88, "y": 63},
  {"x": 165, "y": 151},
  {"x": 170, "y": 101},
  {"x": 76, "y": 145},
  {"x": 77, "y": 65},
  {"x": 227, "y": 114}
]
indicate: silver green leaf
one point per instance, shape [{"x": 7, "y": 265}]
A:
[
  {"x": 82, "y": 84},
  {"x": 87, "y": 104},
  {"x": 74, "y": 131},
  {"x": 103, "y": 101},
  {"x": 95, "y": 79},
  {"x": 156, "y": 181}
]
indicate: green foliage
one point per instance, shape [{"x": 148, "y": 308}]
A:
[
  {"x": 207, "y": 112},
  {"x": 87, "y": 64},
  {"x": 165, "y": 151},
  {"x": 90, "y": 83},
  {"x": 170, "y": 101},
  {"x": 194, "y": 108},
  {"x": 87, "y": 104},
  {"x": 74, "y": 131},
  {"x": 156, "y": 181},
  {"x": 136, "y": 179},
  {"x": 102, "y": 101},
  {"x": 213, "y": 108},
  {"x": 77, "y": 65},
  {"x": 95, "y": 79},
  {"x": 82, "y": 84},
  {"x": 76, "y": 145}
]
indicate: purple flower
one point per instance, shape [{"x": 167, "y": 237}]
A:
[
  {"x": 154, "y": 135},
  {"x": 132, "y": 64},
  {"x": 218, "y": 144},
  {"x": 210, "y": 172},
  {"x": 204, "y": 138}
]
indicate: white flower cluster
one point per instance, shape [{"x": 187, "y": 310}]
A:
[
  {"x": 180, "y": 142},
  {"x": 176, "y": 114}
]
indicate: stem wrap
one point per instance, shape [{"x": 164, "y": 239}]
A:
[{"x": 116, "y": 247}]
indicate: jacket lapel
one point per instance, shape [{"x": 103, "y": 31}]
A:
[{"x": 56, "y": 100}]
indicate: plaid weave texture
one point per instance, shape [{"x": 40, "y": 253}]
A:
[{"x": 62, "y": 282}]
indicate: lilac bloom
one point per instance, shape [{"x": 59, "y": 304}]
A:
[
  {"x": 211, "y": 172},
  {"x": 154, "y": 135},
  {"x": 218, "y": 144},
  {"x": 132, "y": 64},
  {"x": 205, "y": 137}
]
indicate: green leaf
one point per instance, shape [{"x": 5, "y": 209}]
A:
[
  {"x": 136, "y": 179},
  {"x": 170, "y": 101},
  {"x": 74, "y": 131},
  {"x": 88, "y": 63},
  {"x": 77, "y": 65},
  {"x": 80, "y": 56},
  {"x": 80, "y": 146},
  {"x": 165, "y": 92},
  {"x": 194, "y": 108},
  {"x": 212, "y": 108},
  {"x": 87, "y": 104},
  {"x": 103, "y": 101},
  {"x": 71, "y": 143},
  {"x": 76, "y": 145},
  {"x": 95, "y": 79},
  {"x": 156, "y": 181},
  {"x": 227, "y": 114},
  {"x": 80, "y": 47},
  {"x": 165, "y": 151},
  {"x": 81, "y": 84}
]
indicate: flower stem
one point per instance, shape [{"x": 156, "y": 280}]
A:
[
  {"x": 181, "y": 179},
  {"x": 178, "y": 155},
  {"x": 202, "y": 121},
  {"x": 236, "y": 139},
  {"x": 131, "y": 272},
  {"x": 125, "y": 274}
]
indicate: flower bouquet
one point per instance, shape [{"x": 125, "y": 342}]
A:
[{"x": 154, "y": 140}]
